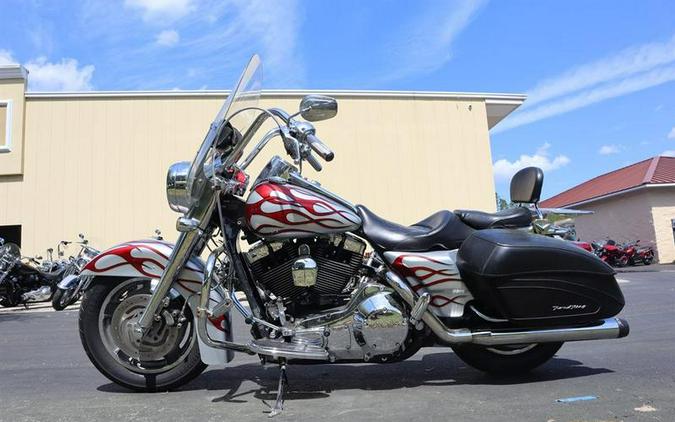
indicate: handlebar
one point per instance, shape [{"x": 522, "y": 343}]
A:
[
  {"x": 313, "y": 162},
  {"x": 320, "y": 148}
]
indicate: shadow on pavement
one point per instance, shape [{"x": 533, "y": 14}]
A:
[{"x": 320, "y": 380}]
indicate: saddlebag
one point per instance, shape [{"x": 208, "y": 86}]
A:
[{"x": 535, "y": 280}]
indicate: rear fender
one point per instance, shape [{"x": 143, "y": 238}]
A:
[{"x": 148, "y": 259}]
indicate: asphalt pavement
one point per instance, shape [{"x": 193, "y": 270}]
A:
[{"x": 45, "y": 375}]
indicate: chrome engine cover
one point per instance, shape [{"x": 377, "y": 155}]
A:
[
  {"x": 380, "y": 325},
  {"x": 374, "y": 323}
]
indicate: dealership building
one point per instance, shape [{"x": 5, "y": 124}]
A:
[
  {"x": 636, "y": 202},
  {"x": 95, "y": 162}
]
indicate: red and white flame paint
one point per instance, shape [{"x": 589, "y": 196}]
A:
[
  {"x": 437, "y": 274},
  {"x": 144, "y": 258},
  {"x": 148, "y": 259},
  {"x": 275, "y": 210}
]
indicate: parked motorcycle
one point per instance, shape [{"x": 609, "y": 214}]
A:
[
  {"x": 25, "y": 280},
  {"x": 70, "y": 287},
  {"x": 154, "y": 315},
  {"x": 546, "y": 228},
  {"x": 613, "y": 253},
  {"x": 644, "y": 254},
  {"x": 638, "y": 254}
]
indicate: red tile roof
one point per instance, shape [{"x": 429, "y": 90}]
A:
[{"x": 651, "y": 171}]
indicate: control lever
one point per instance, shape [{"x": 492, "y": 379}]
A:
[
  {"x": 313, "y": 162},
  {"x": 319, "y": 147}
]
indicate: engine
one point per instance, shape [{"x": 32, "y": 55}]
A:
[{"x": 335, "y": 259}]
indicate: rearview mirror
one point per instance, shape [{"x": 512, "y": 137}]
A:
[{"x": 314, "y": 108}]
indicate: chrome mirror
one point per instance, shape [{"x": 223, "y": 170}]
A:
[{"x": 314, "y": 108}]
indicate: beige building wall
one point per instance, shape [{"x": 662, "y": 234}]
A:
[
  {"x": 644, "y": 214},
  {"x": 663, "y": 212},
  {"x": 97, "y": 164}
]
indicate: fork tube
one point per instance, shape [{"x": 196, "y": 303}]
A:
[{"x": 181, "y": 252}]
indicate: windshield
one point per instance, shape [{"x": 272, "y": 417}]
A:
[{"x": 246, "y": 93}]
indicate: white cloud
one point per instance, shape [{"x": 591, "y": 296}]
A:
[
  {"x": 504, "y": 169},
  {"x": 65, "y": 75},
  {"x": 6, "y": 57},
  {"x": 584, "y": 98},
  {"x": 425, "y": 45},
  {"x": 671, "y": 134},
  {"x": 627, "y": 62},
  {"x": 609, "y": 149},
  {"x": 161, "y": 10},
  {"x": 167, "y": 38},
  {"x": 669, "y": 153},
  {"x": 630, "y": 70}
]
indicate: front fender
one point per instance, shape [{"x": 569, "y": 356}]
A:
[
  {"x": 147, "y": 259},
  {"x": 144, "y": 258}
]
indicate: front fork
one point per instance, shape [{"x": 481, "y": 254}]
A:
[{"x": 193, "y": 228}]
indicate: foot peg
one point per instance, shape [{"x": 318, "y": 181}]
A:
[{"x": 283, "y": 385}]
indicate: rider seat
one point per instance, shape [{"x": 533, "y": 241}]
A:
[
  {"x": 442, "y": 230},
  {"x": 508, "y": 218}
]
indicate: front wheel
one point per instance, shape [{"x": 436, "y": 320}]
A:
[
  {"x": 62, "y": 298},
  {"x": 506, "y": 360},
  {"x": 166, "y": 358},
  {"x": 622, "y": 261}
]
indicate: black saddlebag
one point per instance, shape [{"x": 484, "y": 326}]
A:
[{"x": 535, "y": 280}]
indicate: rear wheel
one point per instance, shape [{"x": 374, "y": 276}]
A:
[
  {"x": 168, "y": 356},
  {"x": 506, "y": 360}
]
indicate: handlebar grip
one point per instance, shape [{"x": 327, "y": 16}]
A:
[
  {"x": 316, "y": 165},
  {"x": 320, "y": 148}
]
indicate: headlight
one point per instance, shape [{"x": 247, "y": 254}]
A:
[{"x": 176, "y": 187}]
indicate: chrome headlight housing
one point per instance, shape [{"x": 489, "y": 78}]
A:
[{"x": 176, "y": 187}]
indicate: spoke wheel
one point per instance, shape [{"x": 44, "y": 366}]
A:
[
  {"x": 166, "y": 356},
  {"x": 162, "y": 346}
]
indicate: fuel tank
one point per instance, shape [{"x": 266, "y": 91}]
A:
[{"x": 282, "y": 210}]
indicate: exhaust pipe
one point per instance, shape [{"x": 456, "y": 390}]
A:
[{"x": 607, "y": 329}]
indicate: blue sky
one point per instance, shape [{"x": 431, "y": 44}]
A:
[{"x": 600, "y": 75}]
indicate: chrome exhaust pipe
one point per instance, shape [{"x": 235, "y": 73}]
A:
[{"x": 607, "y": 329}]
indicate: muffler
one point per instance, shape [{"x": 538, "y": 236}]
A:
[{"x": 606, "y": 329}]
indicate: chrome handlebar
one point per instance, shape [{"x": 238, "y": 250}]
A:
[{"x": 299, "y": 141}]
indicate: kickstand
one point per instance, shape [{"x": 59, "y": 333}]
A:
[{"x": 283, "y": 385}]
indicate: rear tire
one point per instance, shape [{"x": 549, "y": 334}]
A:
[
  {"x": 506, "y": 360},
  {"x": 93, "y": 311}
]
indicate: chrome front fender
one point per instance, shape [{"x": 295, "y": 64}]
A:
[{"x": 147, "y": 259}]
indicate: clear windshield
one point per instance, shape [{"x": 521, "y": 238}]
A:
[{"x": 245, "y": 94}]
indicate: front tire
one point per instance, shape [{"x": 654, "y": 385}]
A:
[
  {"x": 506, "y": 360},
  {"x": 171, "y": 353},
  {"x": 62, "y": 298}
]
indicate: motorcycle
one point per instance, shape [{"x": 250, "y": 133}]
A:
[
  {"x": 155, "y": 315},
  {"x": 70, "y": 287},
  {"x": 613, "y": 253},
  {"x": 645, "y": 254},
  {"x": 25, "y": 280},
  {"x": 546, "y": 228},
  {"x": 637, "y": 253}
]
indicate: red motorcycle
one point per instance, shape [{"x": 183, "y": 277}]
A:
[
  {"x": 636, "y": 254},
  {"x": 613, "y": 254}
]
